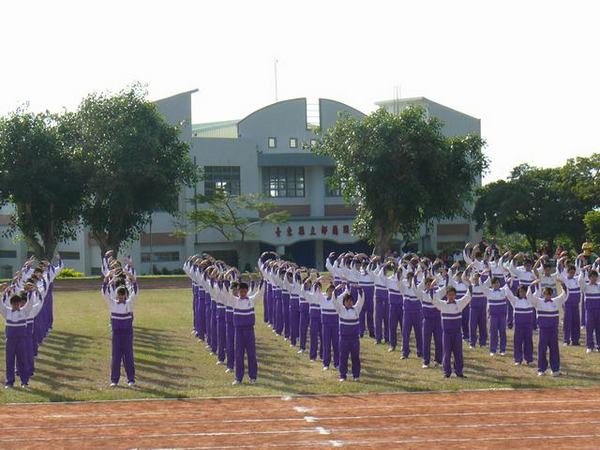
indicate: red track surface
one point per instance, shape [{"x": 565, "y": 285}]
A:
[{"x": 485, "y": 419}]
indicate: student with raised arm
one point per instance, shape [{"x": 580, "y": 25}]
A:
[
  {"x": 455, "y": 280},
  {"x": 432, "y": 323},
  {"x": 396, "y": 301},
  {"x": 315, "y": 297},
  {"x": 330, "y": 325},
  {"x": 523, "y": 320},
  {"x": 121, "y": 317},
  {"x": 548, "y": 308},
  {"x": 478, "y": 309},
  {"x": 591, "y": 293},
  {"x": 496, "y": 299},
  {"x": 523, "y": 273},
  {"x": 451, "y": 311},
  {"x": 245, "y": 340},
  {"x": 571, "y": 318},
  {"x": 412, "y": 314},
  {"x": 377, "y": 274},
  {"x": 349, "y": 314}
]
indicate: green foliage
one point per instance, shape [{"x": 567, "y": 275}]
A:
[
  {"x": 138, "y": 164},
  {"x": 592, "y": 226},
  {"x": 68, "y": 272},
  {"x": 401, "y": 171},
  {"x": 43, "y": 175},
  {"x": 234, "y": 216}
]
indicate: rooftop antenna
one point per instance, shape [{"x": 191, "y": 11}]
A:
[{"x": 275, "y": 70}]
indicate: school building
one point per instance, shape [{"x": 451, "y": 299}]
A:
[{"x": 266, "y": 152}]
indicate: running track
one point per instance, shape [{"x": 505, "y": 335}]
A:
[{"x": 473, "y": 419}]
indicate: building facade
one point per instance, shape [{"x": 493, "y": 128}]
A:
[{"x": 266, "y": 152}]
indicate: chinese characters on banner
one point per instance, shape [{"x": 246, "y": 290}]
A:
[{"x": 325, "y": 230}]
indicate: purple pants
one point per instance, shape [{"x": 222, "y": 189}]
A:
[
  {"x": 230, "y": 345},
  {"x": 571, "y": 323},
  {"x": 592, "y": 326},
  {"x": 478, "y": 324},
  {"x": 245, "y": 343},
  {"x": 316, "y": 337},
  {"x": 497, "y": 329},
  {"x": 201, "y": 331},
  {"x": 509, "y": 315},
  {"x": 16, "y": 354},
  {"x": 466, "y": 314},
  {"x": 278, "y": 315},
  {"x": 583, "y": 312},
  {"x": 207, "y": 312},
  {"x": 432, "y": 327},
  {"x": 548, "y": 340},
  {"x": 395, "y": 318},
  {"x": 285, "y": 308},
  {"x": 382, "y": 322},
  {"x": 221, "y": 336},
  {"x": 523, "y": 343},
  {"x": 266, "y": 303},
  {"x": 366, "y": 321},
  {"x": 122, "y": 350},
  {"x": 412, "y": 320},
  {"x": 294, "y": 324},
  {"x": 330, "y": 339},
  {"x": 349, "y": 346},
  {"x": 453, "y": 348},
  {"x": 304, "y": 320},
  {"x": 214, "y": 338}
]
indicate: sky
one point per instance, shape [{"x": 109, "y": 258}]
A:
[{"x": 528, "y": 69}]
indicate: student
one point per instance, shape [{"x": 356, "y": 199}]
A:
[
  {"x": 451, "y": 311},
  {"x": 496, "y": 300},
  {"x": 230, "y": 296},
  {"x": 18, "y": 340},
  {"x": 330, "y": 325},
  {"x": 523, "y": 323},
  {"x": 121, "y": 315},
  {"x": 349, "y": 315},
  {"x": 524, "y": 274},
  {"x": 591, "y": 292},
  {"x": 304, "y": 297},
  {"x": 478, "y": 311},
  {"x": 245, "y": 341},
  {"x": 432, "y": 323},
  {"x": 294, "y": 287},
  {"x": 382, "y": 309},
  {"x": 571, "y": 318},
  {"x": 412, "y": 314},
  {"x": 456, "y": 280},
  {"x": 548, "y": 308},
  {"x": 315, "y": 297},
  {"x": 396, "y": 301}
]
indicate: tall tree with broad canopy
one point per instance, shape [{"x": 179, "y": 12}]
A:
[
  {"x": 138, "y": 164},
  {"x": 401, "y": 171},
  {"x": 534, "y": 202},
  {"x": 42, "y": 174},
  {"x": 592, "y": 227}
]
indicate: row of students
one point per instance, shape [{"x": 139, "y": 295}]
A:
[
  {"x": 27, "y": 309},
  {"x": 223, "y": 314}
]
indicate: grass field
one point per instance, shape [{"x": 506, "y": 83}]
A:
[{"x": 74, "y": 361}]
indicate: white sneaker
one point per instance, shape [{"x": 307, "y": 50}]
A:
[
  {"x": 131, "y": 384},
  {"x": 404, "y": 357},
  {"x": 492, "y": 354},
  {"x": 355, "y": 378},
  {"x": 425, "y": 366},
  {"x": 502, "y": 353},
  {"x": 565, "y": 344},
  {"x": 300, "y": 351},
  {"x": 252, "y": 381},
  {"x": 588, "y": 350},
  {"x": 517, "y": 363},
  {"x": 236, "y": 382},
  {"x": 471, "y": 347},
  {"x": 24, "y": 386},
  {"x": 220, "y": 363},
  {"x": 541, "y": 374},
  {"x": 556, "y": 374},
  {"x": 8, "y": 386},
  {"x": 391, "y": 349},
  {"x": 341, "y": 380},
  {"x": 113, "y": 384},
  {"x": 325, "y": 367},
  {"x": 228, "y": 370}
]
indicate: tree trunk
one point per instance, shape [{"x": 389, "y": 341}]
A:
[{"x": 383, "y": 239}]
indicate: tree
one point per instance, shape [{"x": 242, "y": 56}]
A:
[
  {"x": 138, "y": 164},
  {"x": 43, "y": 176},
  {"x": 592, "y": 226},
  {"x": 534, "y": 202},
  {"x": 401, "y": 171},
  {"x": 234, "y": 216}
]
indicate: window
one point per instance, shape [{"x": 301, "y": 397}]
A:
[
  {"x": 160, "y": 257},
  {"x": 272, "y": 142},
  {"x": 313, "y": 142},
  {"x": 283, "y": 181},
  {"x": 70, "y": 255},
  {"x": 293, "y": 143},
  {"x": 226, "y": 178},
  {"x": 330, "y": 190},
  {"x": 8, "y": 254}
]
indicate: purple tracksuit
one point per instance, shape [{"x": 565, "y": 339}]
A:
[
  {"x": 547, "y": 315},
  {"x": 230, "y": 337},
  {"x": 330, "y": 334},
  {"x": 221, "y": 332},
  {"x": 432, "y": 327},
  {"x": 245, "y": 342},
  {"x": 122, "y": 339},
  {"x": 514, "y": 286},
  {"x": 316, "y": 330},
  {"x": 201, "y": 331},
  {"x": 214, "y": 326},
  {"x": 395, "y": 315},
  {"x": 195, "y": 308},
  {"x": 571, "y": 322},
  {"x": 382, "y": 314},
  {"x": 452, "y": 334},
  {"x": 304, "y": 319},
  {"x": 412, "y": 320},
  {"x": 497, "y": 305},
  {"x": 367, "y": 312},
  {"x": 17, "y": 351},
  {"x": 294, "y": 317},
  {"x": 285, "y": 312},
  {"x": 349, "y": 336},
  {"x": 207, "y": 314},
  {"x": 592, "y": 310},
  {"x": 523, "y": 322},
  {"x": 278, "y": 310},
  {"x": 478, "y": 317}
]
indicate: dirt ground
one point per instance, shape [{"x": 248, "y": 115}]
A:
[{"x": 475, "y": 419}]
